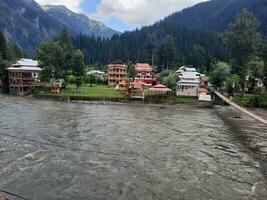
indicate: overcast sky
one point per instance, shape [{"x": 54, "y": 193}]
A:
[{"x": 124, "y": 14}]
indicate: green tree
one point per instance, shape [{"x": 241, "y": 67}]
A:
[
  {"x": 167, "y": 52},
  {"x": 219, "y": 74},
  {"x": 242, "y": 40},
  {"x": 78, "y": 68},
  {"x": 3, "y": 46},
  {"x": 233, "y": 84},
  {"x": 64, "y": 41},
  {"x": 198, "y": 57},
  {"x": 131, "y": 71},
  {"x": 151, "y": 44},
  {"x": 265, "y": 65},
  {"x": 169, "y": 78},
  {"x": 255, "y": 68},
  {"x": 51, "y": 58}
]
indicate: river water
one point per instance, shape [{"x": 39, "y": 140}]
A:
[{"x": 52, "y": 150}]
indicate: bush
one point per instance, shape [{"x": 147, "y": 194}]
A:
[
  {"x": 256, "y": 101},
  {"x": 259, "y": 90}
]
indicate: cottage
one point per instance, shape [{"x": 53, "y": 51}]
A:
[
  {"x": 24, "y": 76},
  {"x": 117, "y": 72},
  {"x": 189, "y": 82},
  {"x": 96, "y": 73},
  {"x": 144, "y": 73},
  {"x": 160, "y": 89}
]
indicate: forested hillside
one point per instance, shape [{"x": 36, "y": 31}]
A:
[
  {"x": 217, "y": 14},
  {"x": 170, "y": 44}
]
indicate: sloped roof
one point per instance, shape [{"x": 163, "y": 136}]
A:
[
  {"x": 26, "y": 62},
  {"x": 160, "y": 88},
  {"x": 143, "y": 66},
  {"x": 25, "y": 65},
  {"x": 95, "y": 72}
]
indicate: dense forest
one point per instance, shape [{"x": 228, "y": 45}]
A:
[
  {"x": 216, "y": 15},
  {"x": 163, "y": 44}
]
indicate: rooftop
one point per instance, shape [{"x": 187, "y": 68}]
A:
[
  {"x": 25, "y": 65},
  {"x": 143, "y": 66}
]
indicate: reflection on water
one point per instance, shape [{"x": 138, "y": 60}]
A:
[{"x": 52, "y": 150}]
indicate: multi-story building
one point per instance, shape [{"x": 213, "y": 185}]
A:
[
  {"x": 23, "y": 76},
  {"x": 144, "y": 73},
  {"x": 117, "y": 72},
  {"x": 189, "y": 82}
]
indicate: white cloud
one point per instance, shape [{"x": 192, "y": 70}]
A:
[
  {"x": 139, "y": 12},
  {"x": 73, "y": 5}
]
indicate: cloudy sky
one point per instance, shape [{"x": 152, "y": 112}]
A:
[{"x": 124, "y": 14}]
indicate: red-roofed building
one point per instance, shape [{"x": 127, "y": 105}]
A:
[
  {"x": 144, "y": 73},
  {"x": 117, "y": 72}
]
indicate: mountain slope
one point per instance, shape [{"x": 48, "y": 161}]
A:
[
  {"x": 78, "y": 22},
  {"x": 217, "y": 14},
  {"x": 24, "y": 22}
]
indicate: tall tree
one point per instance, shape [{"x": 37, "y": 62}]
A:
[
  {"x": 242, "y": 40},
  {"x": 198, "y": 57},
  {"x": 168, "y": 52},
  {"x": 51, "y": 58},
  {"x": 265, "y": 65},
  {"x": 78, "y": 68},
  {"x": 3, "y": 46},
  {"x": 151, "y": 44}
]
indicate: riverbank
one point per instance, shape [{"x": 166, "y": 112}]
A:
[{"x": 166, "y": 100}]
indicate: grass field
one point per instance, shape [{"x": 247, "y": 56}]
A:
[{"x": 94, "y": 91}]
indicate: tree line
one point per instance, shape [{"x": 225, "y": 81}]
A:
[
  {"x": 164, "y": 45},
  {"x": 246, "y": 55},
  {"x": 9, "y": 53}
]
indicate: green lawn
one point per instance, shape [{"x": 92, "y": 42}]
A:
[{"x": 94, "y": 91}]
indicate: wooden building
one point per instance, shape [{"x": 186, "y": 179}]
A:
[
  {"x": 117, "y": 72},
  {"x": 23, "y": 76}
]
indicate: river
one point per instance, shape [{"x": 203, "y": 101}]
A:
[{"x": 54, "y": 150}]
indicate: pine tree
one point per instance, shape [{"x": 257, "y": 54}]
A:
[
  {"x": 167, "y": 52},
  {"x": 3, "y": 46},
  {"x": 265, "y": 65},
  {"x": 242, "y": 40}
]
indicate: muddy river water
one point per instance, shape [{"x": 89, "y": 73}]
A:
[{"x": 52, "y": 150}]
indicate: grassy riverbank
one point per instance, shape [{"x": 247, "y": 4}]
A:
[
  {"x": 105, "y": 93},
  {"x": 257, "y": 101}
]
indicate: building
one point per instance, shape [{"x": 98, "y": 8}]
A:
[
  {"x": 23, "y": 76},
  {"x": 144, "y": 73},
  {"x": 189, "y": 82},
  {"x": 96, "y": 73},
  {"x": 117, "y": 72}
]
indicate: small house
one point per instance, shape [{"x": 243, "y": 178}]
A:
[{"x": 96, "y": 73}]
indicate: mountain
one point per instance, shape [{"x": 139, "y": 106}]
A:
[
  {"x": 27, "y": 24},
  {"x": 24, "y": 22},
  {"x": 217, "y": 14},
  {"x": 79, "y": 23}
]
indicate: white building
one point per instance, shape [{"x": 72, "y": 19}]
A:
[{"x": 189, "y": 82}]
